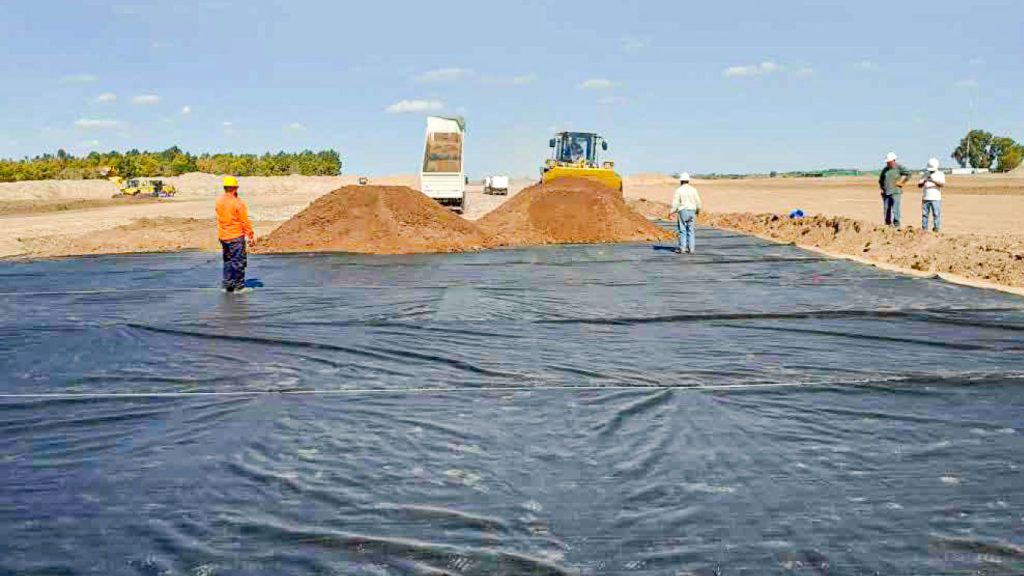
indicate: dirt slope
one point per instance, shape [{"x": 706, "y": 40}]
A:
[
  {"x": 568, "y": 211},
  {"x": 377, "y": 220},
  {"x": 998, "y": 259}
]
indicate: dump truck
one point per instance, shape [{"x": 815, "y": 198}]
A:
[
  {"x": 153, "y": 187},
  {"x": 443, "y": 177},
  {"x": 575, "y": 155},
  {"x": 496, "y": 185}
]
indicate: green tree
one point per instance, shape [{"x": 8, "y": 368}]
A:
[
  {"x": 170, "y": 162},
  {"x": 974, "y": 150},
  {"x": 1010, "y": 158},
  {"x": 1006, "y": 153}
]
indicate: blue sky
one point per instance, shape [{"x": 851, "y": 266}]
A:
[{"x": 721, "y": 86}]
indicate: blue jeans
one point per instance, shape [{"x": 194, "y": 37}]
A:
[
  {"x": 891, "y": 207},
  {"x": 234, "y": 263},
  {"x": 935, "y": 207},
  {"x": 684, "y": 221}
]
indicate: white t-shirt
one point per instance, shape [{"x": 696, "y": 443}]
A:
[
  {"x": 933, "y": 184},
  {"x": 686, "y": 198}
]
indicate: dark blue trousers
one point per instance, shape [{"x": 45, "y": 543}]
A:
[
  {"x": 891, "y": 207},
  {"x": 234, "y": 263}
]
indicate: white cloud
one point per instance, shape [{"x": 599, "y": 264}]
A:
[
  {"x": 521, "y": 80},
  {"x": 804, "y": 72},
  {"x": 295, "y": 127},
  {"x": 612, "y": 100},
  {"x": 443, "y": 75},
  {"x": 766, "y": 67},
  {"x": 415, "y": 106},
  {"x": 866, "y": 65},
  {"x": 633, "y": 44},
  {"x": 90, "y": 144},
  {"x": 186, "y": 110},
  {"x": 227, "y": 124},
  {"x": 598, "y": 84},
  {"x": 96, "y": 123},
  {"x": 105, "y": 97},
  {"x": 967, "y": 84},
  {"x": 146, "y": 99},
  {"x": 977, "y": 62},
  {"x": 81, "y": 78}
]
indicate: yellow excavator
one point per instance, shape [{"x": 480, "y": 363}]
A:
[
  {"x": 575, "y": 155},
  {"x": 137, "y": 187}
]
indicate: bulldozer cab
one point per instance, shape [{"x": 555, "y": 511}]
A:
[{"x": 577, "y": 148}]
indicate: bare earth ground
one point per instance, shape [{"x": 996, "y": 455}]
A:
[
  {"x": 983, "y": 220},
  {"x": 983, "y": 216},
  {"x": 43, "y": 234},
  {"x": 983, "y": 204}
]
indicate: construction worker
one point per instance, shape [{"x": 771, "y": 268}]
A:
[
  {"x": 233, "y": 227},
  {"x": 891, "y": 181},
  {"x": 931, "y": 200},
  {"x": 685, "y": 206}
]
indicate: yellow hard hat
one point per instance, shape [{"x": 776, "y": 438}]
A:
[{"x": 230, "y": 182}]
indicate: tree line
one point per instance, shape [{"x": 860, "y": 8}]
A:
[
  {"x": 980, "y": 149},
  {"x": 170, "y": 162}
]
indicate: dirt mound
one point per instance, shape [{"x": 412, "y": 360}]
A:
[
  {"x": 376, "y": 220},
  {"x": 568, "y": 211},
  {"x": 997, "y": 259}
]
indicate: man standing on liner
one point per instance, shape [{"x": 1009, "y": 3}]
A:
[
  {"x": 891, "y": 181},
  {"x": 931, "y": 200},
  {"x": 686, "y": 205},
  {"x": 233, "y": 227}
]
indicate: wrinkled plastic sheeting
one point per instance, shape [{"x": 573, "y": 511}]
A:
[{"x": 559, "y": 410}]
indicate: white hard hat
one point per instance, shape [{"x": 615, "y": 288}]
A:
[
  {"x": 890, "y": 157},
  {"x": 933, "y": 164},
  {"x": 684, "y": 176}
]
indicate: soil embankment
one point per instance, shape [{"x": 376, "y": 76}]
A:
[
  {"x": 998, "y": 259},
  {"x": 378, "y": 220},
  {"x": 568, "y": 211}
]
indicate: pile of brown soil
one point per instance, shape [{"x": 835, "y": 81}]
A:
[
  {"x": 375, "y": 220},
  {"x": 568, "y": 211},
  {"x": 998, "y": 259}
]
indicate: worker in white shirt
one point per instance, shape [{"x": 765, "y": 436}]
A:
[
  {"x": 932, "y": 183},
  {"x": 685, "y": 206}
]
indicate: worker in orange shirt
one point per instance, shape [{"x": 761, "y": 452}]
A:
[{"x": 233, "y": 227}]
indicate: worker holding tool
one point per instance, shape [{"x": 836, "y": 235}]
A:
[
  {"x": 685, "y": 206},
  {"x": 233, "y": 227},
  {"x": 891, "y": 181},
  {"x": 931, "y": 201}
]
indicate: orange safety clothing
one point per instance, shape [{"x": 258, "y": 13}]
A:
[{"x": 232, "y": 218}]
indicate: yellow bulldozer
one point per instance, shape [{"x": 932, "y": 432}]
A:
[
  {"x": 575, "y": 155},
  {"x": 137, "y": 187}
]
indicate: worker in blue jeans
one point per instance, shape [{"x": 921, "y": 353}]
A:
[
  {"x": 891, "y": 181},
  {"x": 685, "y": 206},
  {"x": 931, "y": 195}
]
